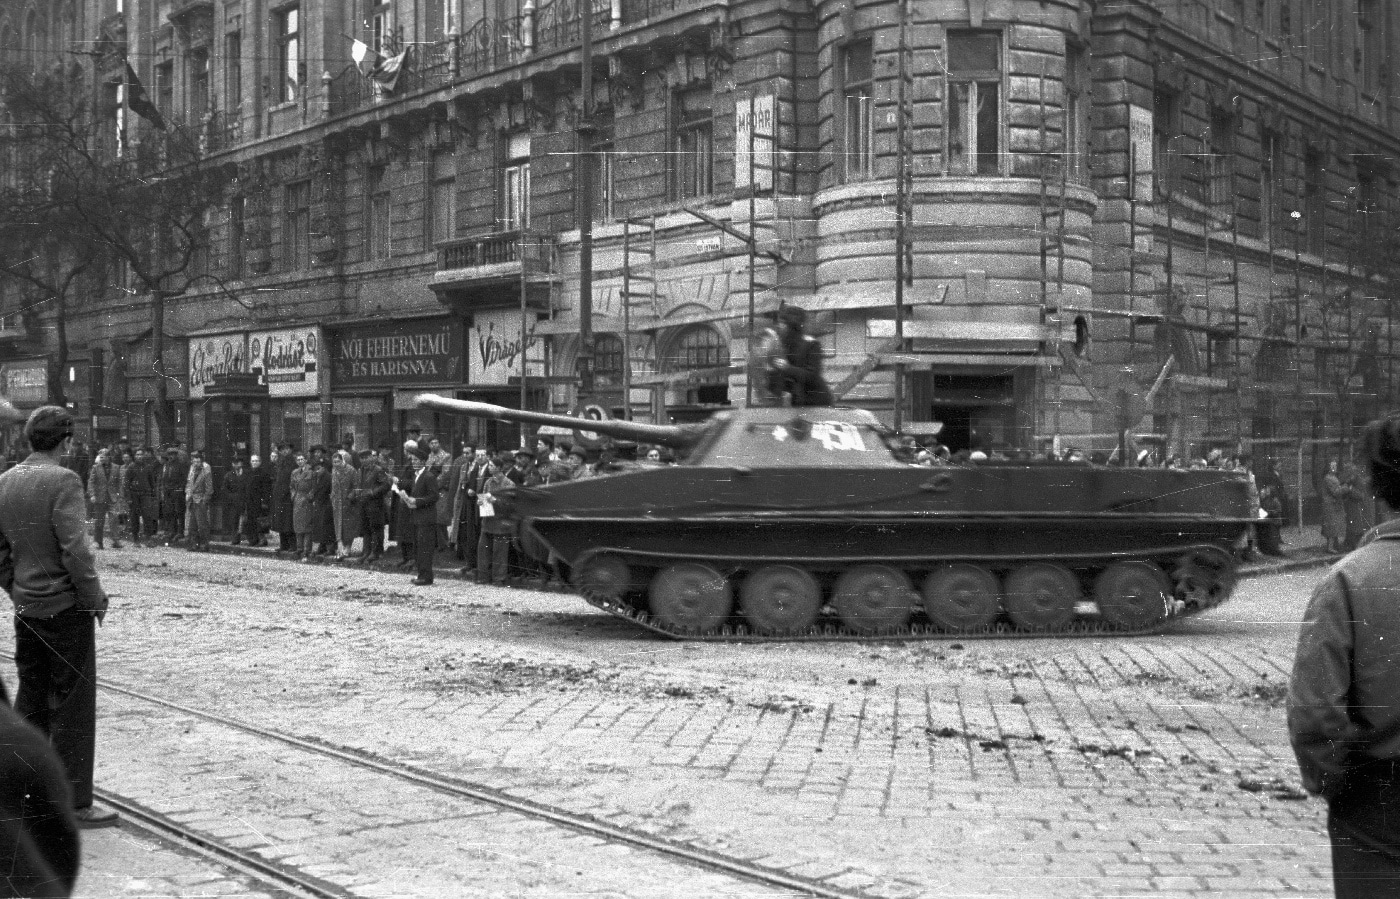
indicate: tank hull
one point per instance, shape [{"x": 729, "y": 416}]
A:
[{"x": 913, "y": 522}]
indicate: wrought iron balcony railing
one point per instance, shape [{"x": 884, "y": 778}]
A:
[{"x": 535, "y": 251}]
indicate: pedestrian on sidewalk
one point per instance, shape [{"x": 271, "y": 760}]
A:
[
  {"x": 280, "y": 501},
  {"x": 343, "y": 478},
  {"x": 301, "y": 481},
  {"x": 1344, "y": 696},
  {"x": 235, "y": 492},
  {"x": 173, "y": 477},
  {"x": 142, "y": 482},
  {"x": 420, "y": 497},
  {"x": 199, "y": 493},
  {"x": 259, "y": 495},
  {"x": 371, "y": 486},
  {"x": 104, "y": 493},
  {"x": 47, "y": 568},
  {"x": 1334, "y": 510}
]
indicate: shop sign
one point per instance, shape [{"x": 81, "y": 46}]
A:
[
  {"x": 755, "y": 127},
  {"x": 496, "y": 348},
  {"x": 391, "y": 355},
  {"x": 216, "y": 357},
  {"x": 27, "y": 383},
  {"x": 286, "y": 360}
]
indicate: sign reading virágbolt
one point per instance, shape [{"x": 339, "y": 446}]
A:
[
  {"x": 496, "y": 348},
  {"x": 287, "y": 360},
  {"x": 224, "y": 354},
  {"x": 398, "y": 353}
]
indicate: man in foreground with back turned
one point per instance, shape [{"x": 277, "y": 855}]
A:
[
  {"x": 1344, "y": 698},
  {"x": 46, "y": 565}
]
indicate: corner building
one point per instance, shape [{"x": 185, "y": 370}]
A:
[{"x": 1174, "y": 218}]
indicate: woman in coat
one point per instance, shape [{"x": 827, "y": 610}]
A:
[
  {"x": 1334, "y": 510},
  {"x": 301, "y": 483},
  {"x": 347, "y": 525},
  {"x": 322, "y": 513}
]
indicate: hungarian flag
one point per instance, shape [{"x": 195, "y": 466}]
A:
[
  {"x": 138, "y": 102},
  {"x": 383, "y": 69}
]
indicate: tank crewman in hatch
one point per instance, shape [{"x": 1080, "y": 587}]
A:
[{"x": 796, "y": 368}]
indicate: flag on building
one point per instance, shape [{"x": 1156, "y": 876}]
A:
[
  {"x": 138, "y": 102},
  {"x": 386, "y": 71}
]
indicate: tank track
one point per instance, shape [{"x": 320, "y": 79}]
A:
[{"x": 1191, "y": 598}]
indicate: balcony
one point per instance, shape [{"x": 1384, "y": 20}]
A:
[
  {"x": 490, "y": 271},
  {"x": 425, "y": 67}
]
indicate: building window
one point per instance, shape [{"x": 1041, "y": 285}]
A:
[
  {"x": 1368, "y": 44},
  {"x": 381, "y": 28},
  {"x": 693, "y": 146},
  {"x": 603, "y": 157},
  {"x": 1285, "y": 19},
  {"x": 858, "y": 110},
  {"x": 1220, "y": 163},
  {"x": 1367, "y": 194},
  {"x": 236, "y": 211},
  {"x": 296, "y": 225},
  {"x": 515, "y": 184},
  {"x": 233, "y": 72},
  {"x": 1165, "y": 129},
  {"x": 608, "y": 361},
  {"x": 288, "y": 26},
  {"x": 1314, "y": 202},
  {"x": 199, "y": 83},
  {"x": 377, "y": 223},
  {"x": 442, "y": 200},
  {"x": 165, "y": 88},
  {"x": 1315, "y": 31},
  {"x": 1076, "y": 111},
  {"x": 974, "y": 102},
  {"x": 1269, "y": 153},
  {"x": 699, "y": 347}
]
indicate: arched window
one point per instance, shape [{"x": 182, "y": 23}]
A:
[
  {"x": 699, "y": 347},
  {"x": 608, "y": 361}
]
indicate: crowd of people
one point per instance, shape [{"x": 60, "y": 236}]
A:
[{"x": 336, "y": 503}]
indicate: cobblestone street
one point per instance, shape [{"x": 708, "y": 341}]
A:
[{"x": 1149, "y": 766}]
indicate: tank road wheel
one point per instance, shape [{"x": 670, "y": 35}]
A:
[
  {"x": 873, "y": 598},
  {"x": 604, "y": 577},
  {"x": 780, "y": 599},
  {"x": 691, "y": 597},
  {"x": 1133, "y": 595},
  {"x": 962, "y": 597},
  {"x": 1041, "y": 596},
  {"x": 1204, "y": 578}
]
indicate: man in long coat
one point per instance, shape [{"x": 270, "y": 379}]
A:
[
  {"x": 235, "y": 491},
  {"x": 280, "y": 503},
  {"x": 259, "y": 496},
  {"x": 104, "y": 493},
  {"x": 371, "y": 487}
]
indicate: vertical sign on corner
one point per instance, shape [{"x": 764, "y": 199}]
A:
[
  {"x": 755, "y": 119},
  {"x": 1140, "y": 133}
]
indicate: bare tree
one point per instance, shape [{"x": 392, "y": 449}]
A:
[{"x": 78, "y": 197}]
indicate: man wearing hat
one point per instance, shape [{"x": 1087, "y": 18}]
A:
[
  {"x": 796, "y": 368},
  {"x": 47, "y": 567},
  {"x": 421, "y": 498},
  {"x": 280, "y": 502}
]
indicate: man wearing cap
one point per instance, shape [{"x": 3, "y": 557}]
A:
[
  {"x": 796, "y": 370},
  {"x": 47, "y": 567},
  {"x": 367, "y": 497},
  {"x": 421, "y": 499},
  {"x": 172, "y": 495}
]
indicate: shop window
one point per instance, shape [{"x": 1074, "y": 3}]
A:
[
  {"x": 693, "y": 145},
  {"x": 287, "y": 25},
  {"x": 974, "y": 102},
  {"x": 858, "y": 109}
]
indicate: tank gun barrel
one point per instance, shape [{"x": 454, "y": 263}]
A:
[{"x": 674, "y": 436}]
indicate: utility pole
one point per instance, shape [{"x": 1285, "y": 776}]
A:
[
  {"x": 903, "y": 250},
  {"x": 584, "y": 180}
]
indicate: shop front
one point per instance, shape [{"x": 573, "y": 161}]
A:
[
  {"x": 377, "y": 370},
  {"x": 228, "y": 405},
  {"x": 286, "y": 362},
  {"x": 142, "y": 378},
  {"x": 25, "y": 383},
  {"x": 504, "y": 362}
]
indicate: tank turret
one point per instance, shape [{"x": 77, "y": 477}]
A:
[{"x": 674, "y": 436}]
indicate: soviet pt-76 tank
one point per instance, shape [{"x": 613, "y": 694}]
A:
[{"x": 802, "y": 523}]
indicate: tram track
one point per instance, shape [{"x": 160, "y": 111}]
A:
[{"x": 290, "y": 881}]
